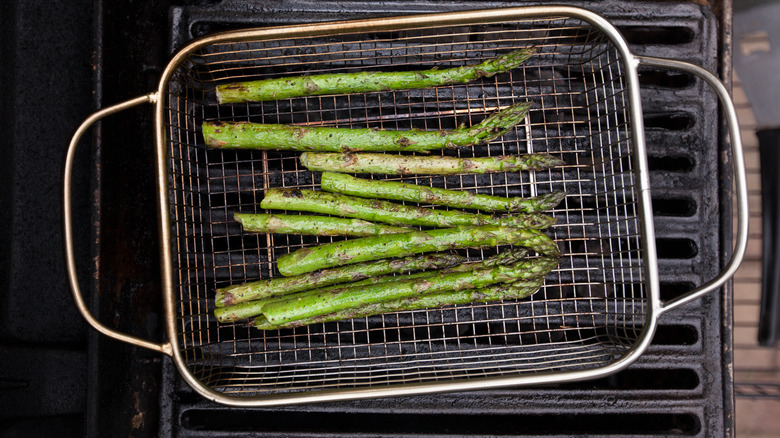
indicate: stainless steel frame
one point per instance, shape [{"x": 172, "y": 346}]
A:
[{"x": 595, "y": 315}]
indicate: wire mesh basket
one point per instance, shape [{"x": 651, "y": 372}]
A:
[{"x": 596, "y": 311}]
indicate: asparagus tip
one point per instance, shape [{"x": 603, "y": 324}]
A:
[
  {"x": 515, "y": 58},
  {"x": 555, "y": 198},
  {"x": 501, "y": 122},
  {"x": 508, "y": 61},
  {"x": 542, "y": 162},
  {"x": 548, "y": 221},
  {"x": 550, "y": 200},
  {"x": 529, "y": 287}
]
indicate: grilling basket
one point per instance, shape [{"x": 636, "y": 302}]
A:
[{"x": 594, "y": 315}]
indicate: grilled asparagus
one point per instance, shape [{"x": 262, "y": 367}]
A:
[
  {"x": 407, "y": 164},
  {"x": 287, "y": 285},
  {"x": 517, "y": 290},
  {"x": 248, "y": 300},
  {"x": 318, "y": 302},
  {"x": 245, "y": 135},
  {"x": 312, "y": 225},
  {"x": 366, "y": 188},
  {"x": 365, "y": 82},
  {"x": 390, "y": 213},
  {"x": 398, "y": 245}
]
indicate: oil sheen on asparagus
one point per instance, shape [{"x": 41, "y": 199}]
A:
[
  {"x": 389, "y": 212},
  {"x": 399, "y": 245},
  {"x": 499, "y": 292},
  {"x": 315, "y": 303},
  {"x": 364, "y": 82},
  {"x": 245, "y": 301},
  {"x": 246, "y": 135},
  {"x": 327, "y": 277},
  {"x": 398, "y": 191},
  {"x": 312, "y": 225},
  {"x": 392, "y": 164}
]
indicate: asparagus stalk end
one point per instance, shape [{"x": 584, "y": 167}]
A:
[{"x": 210, "y": 134}]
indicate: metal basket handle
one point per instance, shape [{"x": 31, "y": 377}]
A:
[
  {"x": 738, "y": 161},
  {"x": 68, "y": 227}
]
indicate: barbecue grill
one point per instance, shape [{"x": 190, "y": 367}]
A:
[
  {"x": 595, "y": 317},
  {"x": 679, "y": 386}
]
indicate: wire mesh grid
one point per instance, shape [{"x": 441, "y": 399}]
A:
[{"x": 590, "y": 310}]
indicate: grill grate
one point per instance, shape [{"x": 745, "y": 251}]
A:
[
  {"x": 589, "y": 313},
  {"x": 676, "y": 387}
]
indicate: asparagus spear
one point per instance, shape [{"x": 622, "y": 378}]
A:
[
  {"x": 408, "y": 164},
  {"x": 318, "y": 302},
  {"x": 390, "y": 213},
  {"x": 364, "y": 82},
  {"x": 517, "y": 290},
  {"x": 242, "y": 308},
  {"x": 245, "y": 135},
  {"x": 327, "y": 277},
  {"x": 249, "y": 309},
  {"x": 397, "y": 245},
  {"x": 367, "y": 188},
  {"x": 312, "y": 225},
  {"x": 509, "y": 257}
]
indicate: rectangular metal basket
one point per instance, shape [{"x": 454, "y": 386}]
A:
[{"x": 597, "y": 310}]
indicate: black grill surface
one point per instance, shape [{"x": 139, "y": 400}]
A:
[{"x": 678, "y": 387}]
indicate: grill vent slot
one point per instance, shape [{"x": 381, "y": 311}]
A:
[
  {"x": 323, "y": 423},
  {"x": 657, "y": 35},
  {"x": 642, "y": 378},
  {"x": 665, "y": 79},
  {"x": 675, "y": 335},
  {"x": 674, "y": 289},
  {"x": 671, "y": 163},
  {"x": 676, "y": 248},
  {"x": 677, "y": 121},
  {"x": 202, "y": 28},
  {"x": 674, "y": 207}
]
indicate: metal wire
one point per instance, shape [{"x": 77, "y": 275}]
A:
[{"x": 592, "y": 306}]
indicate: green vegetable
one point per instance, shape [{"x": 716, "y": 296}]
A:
[
  {"x": 388, "y": 212},
  {"x": 287, "y": 285},
  {"x": 398, "y": 245},
  {"x": 392, "y": 164},
  {"x": 319, "y": 302},
  {"x": 365, "y": 82},
  {"x": 398, "y": 191},
  {"x": 517, "y": 290},
  {"x": 249, "y": 309},
  {"x": 246, "y": 135},
  {"x": 312, "y": 225},
  {"x": 242, "y": 308}
]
